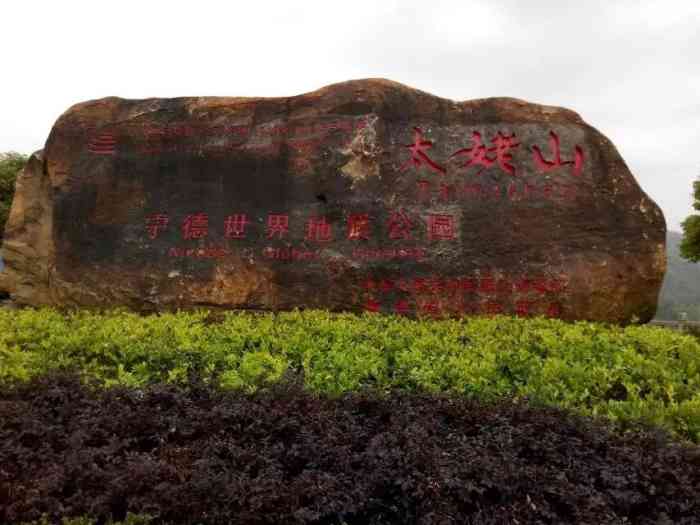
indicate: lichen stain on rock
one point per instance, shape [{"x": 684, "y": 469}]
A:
[{"x": 363, "y": 152}]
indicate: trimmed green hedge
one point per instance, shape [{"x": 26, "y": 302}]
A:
[{"x": 630, "y": 375}]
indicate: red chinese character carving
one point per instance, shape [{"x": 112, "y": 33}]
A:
[
  {"x": 554, "y": 310},
  {"x": 234, "y": 226},
  {"x": 402, "y": 307},
  {"x": 423, "y": 190},
  {"x": 525, "y": 191},
  {"x": 452, "y": 286},
  {"x": 358, "y": 227},
  {"x": 568, "y": 192},
  {"x": 419, "y": 285},
  {"x": 487, "y": 284},
  {"x": 369, "y": 284},
  {"x": 495, "y": 192},
  {"x": 545, "y": 166},
  {"x": 386, "y": 285},
  {"x": 277, "y": 225},
  {"x": 547, "y": 191},
  {"x": 195, "y": 226},
  {"x": 317, "y": 229},
  {"x": 403, "y": 285},
  {"x": 469, "y": 285},
  {"x": 440, "y": 227},
  {"x": 522, "y": 308},
  {"x": 472, "y": 191},
  {"x": 529, "y": 191},
  {"x": 540, "y": 285},
  {"x": 103, "y": 144},
  {"x": 430, "y": 307},
  {"x": 419, "y": 157},
  {"x": 435, "y": 285},
  {"x": 152, "y": 144},
  {"x": 399, "y": 225},
  {"x": 503, "y": 145},
  {"x": 155, "y": 223},
  {"x": 504, "y": 286},
  {"x": 522, "y": 285},
  {"x": 181, "y": 129},
  {"x": 371, "y": 305},
  {"x": 455, "y": 305},
  {"x": 557, "y": 285},
  {"x": 512, "y": 191},
  {"x": 493, "y": 308},
  {"x": 478, "y": 154},
  {"x": 445, "y": 191}
]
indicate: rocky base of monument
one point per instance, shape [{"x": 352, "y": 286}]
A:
[
  {"x": 6, "y": 302},
  {"x": 198, "y": 455}
]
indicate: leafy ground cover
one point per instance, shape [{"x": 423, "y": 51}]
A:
[
  {"x": 630, "y": 375},
  {"x": 199, "y": 454}
]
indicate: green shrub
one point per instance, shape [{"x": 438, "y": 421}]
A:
[
  {"x": 10, "y": 166},
  {"x": 631, "y": 374}
]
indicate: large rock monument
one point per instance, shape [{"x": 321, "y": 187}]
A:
[{"x": 361, "y": 196}]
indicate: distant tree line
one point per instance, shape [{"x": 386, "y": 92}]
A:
[
  {"x": 690, "y": 245},
  {"x": 680, "y": 294},
  {"x": 11, "y": 164}
]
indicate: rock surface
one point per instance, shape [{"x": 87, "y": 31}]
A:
[{"x": 364, "y": 195}]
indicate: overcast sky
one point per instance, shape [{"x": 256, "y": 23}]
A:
[{"x": 629, "y": 68}]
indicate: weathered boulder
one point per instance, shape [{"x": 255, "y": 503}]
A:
[{"x": 364, "y": 195}]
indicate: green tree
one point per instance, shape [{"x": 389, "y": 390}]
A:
[
  {"x": 690, "y": 245},
  {"x": 10, "y": 166}
]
